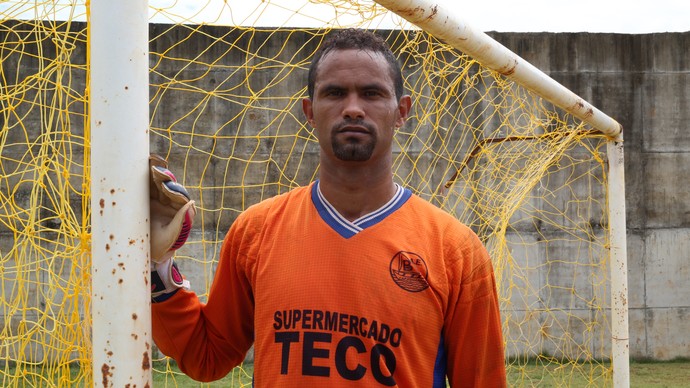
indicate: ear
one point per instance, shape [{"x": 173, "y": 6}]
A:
[
  {"x": 404, "y": 107},
  {"x": 308, "y": 111}
]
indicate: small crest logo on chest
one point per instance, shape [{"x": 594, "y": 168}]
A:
[{"x": 409, "y": 271}]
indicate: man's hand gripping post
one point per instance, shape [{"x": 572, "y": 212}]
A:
[{"x": 172, "y": 216}]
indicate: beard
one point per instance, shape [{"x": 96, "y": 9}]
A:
[{"x": 353, "y": 149}]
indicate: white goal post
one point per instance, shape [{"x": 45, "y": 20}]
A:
[{"x": 119, "y": 127}]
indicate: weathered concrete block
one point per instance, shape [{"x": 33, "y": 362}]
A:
[
  {"x": 638, "y": 333},
  {"x": 636, "y": 184},
  {"x": 574, "y": 272},
  {"x": 523, "y": 333},
  {"x": 666, "y": 112},
  {"x": 522, "y": 276},
  {"x": 667, "y": 268},
  {"x": 636, "y": 271},
  {"x": 565, "y": 334},
  {"x": 667, "y": 193},
  {"x": 667, "y": 330},
  {"x": 667, "y": 51}
]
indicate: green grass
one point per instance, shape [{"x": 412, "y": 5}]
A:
[
  {"x": 672, "y": 374},
  {"x": 168, "y": 375},
  {"x": 660, "y": 374}
]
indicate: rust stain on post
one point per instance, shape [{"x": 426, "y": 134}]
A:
[
  {"x": 146, "y": 362},
  {"x": 434, "y": 12},
  {"x": 579, "y": 104},
  {"x": 509, "y": 69},
  {"x": 411, "y": 12},
  {"x": 105, "y": 371}
]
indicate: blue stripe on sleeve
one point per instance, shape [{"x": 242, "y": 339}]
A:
[{"x": 440, "y": 366}]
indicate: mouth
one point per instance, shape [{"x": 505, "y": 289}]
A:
[
  {"x": 354, "y": 129},
  {"x": 353, "y": 134}
]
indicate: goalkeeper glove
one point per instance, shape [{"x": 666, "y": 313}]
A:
[
  {"x": 165, "y": 280},
  {"x": 172, "y": 215},
  {"x": 172, "y": 211}
]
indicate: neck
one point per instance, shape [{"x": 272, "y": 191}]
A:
[{"x": 354, "y": 191}]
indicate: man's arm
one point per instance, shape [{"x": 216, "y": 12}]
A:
[
  {"x": 208, "y": 340},
  {"x": 201, "y": 338},
  {"x": 473, "y": 332}
]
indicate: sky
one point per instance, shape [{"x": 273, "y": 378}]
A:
[
  {"x": 620, "y": 16},
  {"x": 617, "y": 16}
]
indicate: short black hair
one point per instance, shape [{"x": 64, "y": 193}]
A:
[{"x": 358, "y": 39}]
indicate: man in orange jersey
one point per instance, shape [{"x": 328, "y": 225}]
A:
[{"x": 352, "y": 281}]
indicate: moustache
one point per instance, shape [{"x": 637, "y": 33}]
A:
[{"x": 350, "y": 124}]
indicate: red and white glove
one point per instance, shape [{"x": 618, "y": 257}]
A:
[
  {"x": 172, "y": 216},
  {"x": 165, "y": 280}
]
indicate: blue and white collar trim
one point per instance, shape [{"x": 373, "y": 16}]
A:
[{"x": 347, "y": 228}]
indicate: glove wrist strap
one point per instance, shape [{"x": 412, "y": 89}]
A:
[{"x": 166, "y": 280}]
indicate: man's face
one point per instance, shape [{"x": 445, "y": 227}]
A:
[{"x": 354, "y": 109}]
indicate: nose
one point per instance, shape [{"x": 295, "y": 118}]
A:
[{"x": 353, "y": 107}]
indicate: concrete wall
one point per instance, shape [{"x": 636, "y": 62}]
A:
[{"x": 643, "y": 81}]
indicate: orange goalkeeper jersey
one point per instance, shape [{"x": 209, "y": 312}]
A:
[{"x": 404, "y": 296}]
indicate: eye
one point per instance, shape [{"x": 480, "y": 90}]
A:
[
  {"x": 373, "y": 93},
  {"x": 333, "y": 92}
]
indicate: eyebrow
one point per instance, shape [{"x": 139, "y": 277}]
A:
[{"x": 369, "y": 86}]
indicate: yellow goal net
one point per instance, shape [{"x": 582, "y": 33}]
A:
[{"x": 226, "y": 83}]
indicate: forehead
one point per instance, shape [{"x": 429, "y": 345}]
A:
[{"x": 353, "y": 64}]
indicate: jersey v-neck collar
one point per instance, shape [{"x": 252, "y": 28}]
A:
[{"x": 347, "y": 228}]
